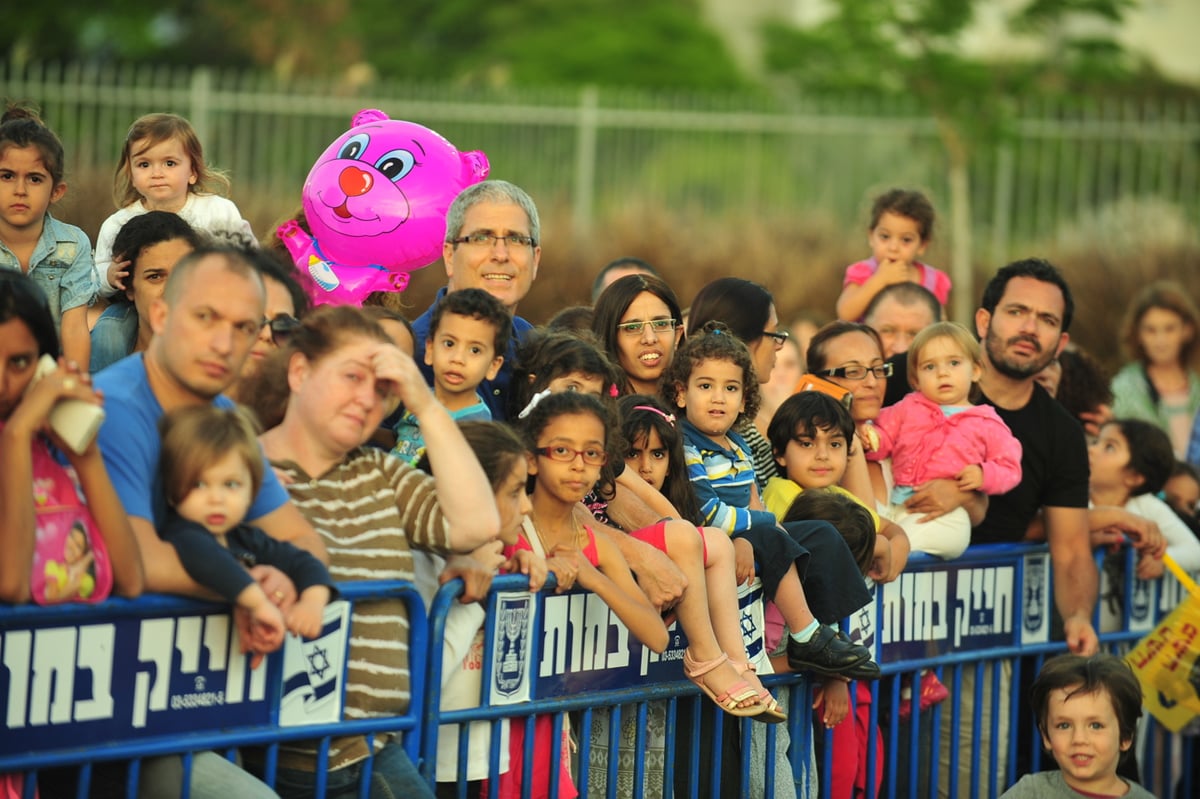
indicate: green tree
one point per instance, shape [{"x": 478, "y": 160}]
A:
[
  {"x": 548, "y": 42},
  {"x": 913, "y": 48},
  {"x": 663, "y": 44}
]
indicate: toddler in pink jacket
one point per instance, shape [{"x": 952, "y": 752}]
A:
[{"x": 936, "y": 433}]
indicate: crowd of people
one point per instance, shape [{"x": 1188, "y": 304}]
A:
[{"x": 656, "y": 454}]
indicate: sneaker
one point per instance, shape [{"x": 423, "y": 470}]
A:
[{"x": 831, "y": 655}]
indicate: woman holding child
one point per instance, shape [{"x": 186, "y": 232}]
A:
[
  {"x": 850, "y": 355},
  {"x": 345, "y": 375}
]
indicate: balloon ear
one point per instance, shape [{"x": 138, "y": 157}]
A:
[
  {"x": 367, "y": 115},
  {"x": 475, "y": 167}
]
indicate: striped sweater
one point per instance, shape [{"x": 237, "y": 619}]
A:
[
  {"x": 723, "y": 479},
  {"x": 368, "y": 510}
]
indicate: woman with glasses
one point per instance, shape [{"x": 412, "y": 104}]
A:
[
  {"x": 286, "y": 304},
  {"x": 638, "y": 323}
]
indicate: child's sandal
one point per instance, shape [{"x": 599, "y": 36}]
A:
[
  {"x": 772, "y": 711},
  {"x": 730, "y": 699}
]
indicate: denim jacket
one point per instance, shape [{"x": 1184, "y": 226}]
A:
[{"x": 61, "y": 265}]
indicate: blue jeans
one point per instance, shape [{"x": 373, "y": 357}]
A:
[{"x": 393, "y": 776}]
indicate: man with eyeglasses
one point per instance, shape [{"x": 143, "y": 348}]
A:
[{"x": 492, "y": 234}]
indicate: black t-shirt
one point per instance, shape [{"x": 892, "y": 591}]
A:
[
  {"x": 897, "y": 385},
  {"x": 1054, "y": 468}
]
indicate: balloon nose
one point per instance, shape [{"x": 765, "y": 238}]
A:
[{"x": 354, "y": 181}]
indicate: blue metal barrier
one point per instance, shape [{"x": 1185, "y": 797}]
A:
[
  {"x": 98, "y": 671},
  {"x": 161, "y": 676},
  {"x": 983, "y": 619},
  {"x": 971, "y": 635},
  {"x": 673, "y": 691}
]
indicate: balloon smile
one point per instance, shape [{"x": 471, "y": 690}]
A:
[{"x": 343, "y": 212}]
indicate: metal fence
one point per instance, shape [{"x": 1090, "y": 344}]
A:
[
  {"x": 597, "y": 150},
  {"x": 974, "y": 618}
]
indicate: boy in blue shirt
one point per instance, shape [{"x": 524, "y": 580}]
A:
[{"x": 469, "y": 331}]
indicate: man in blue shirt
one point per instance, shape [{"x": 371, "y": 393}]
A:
[{"x": 204, "y": 326}]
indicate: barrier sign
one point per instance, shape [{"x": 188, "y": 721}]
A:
[
  {"x": 953, "y": 606},
  {"x": 580, "y": 645},
  {"x": 65, "y": 684}
]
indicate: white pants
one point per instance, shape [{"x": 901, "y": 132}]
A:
[{"x": 946, "y": 536}]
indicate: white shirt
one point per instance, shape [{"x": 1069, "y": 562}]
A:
[{"x": 204, "y": 212}]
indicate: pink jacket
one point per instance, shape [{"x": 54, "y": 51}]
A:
[{"x": 925, "y": 444}]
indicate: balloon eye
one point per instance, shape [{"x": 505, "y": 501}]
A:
[
  {"x": 396, "y": 164},
  {"x": 354, "y": 146}
]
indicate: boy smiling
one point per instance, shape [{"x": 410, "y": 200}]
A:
[{"x": 1087, "y": 710}]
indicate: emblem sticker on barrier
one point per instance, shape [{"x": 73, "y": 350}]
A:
[
  {"x": 512, "y": 648},
  {"x": 127, "y": 678},
  {"x": 313, "y": 671},
  {"x": 1035, "y": 599}
]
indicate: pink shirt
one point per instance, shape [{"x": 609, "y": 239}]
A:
[
  {"x": 926, "y": 444},
  {"x": 935, "y": 280}
]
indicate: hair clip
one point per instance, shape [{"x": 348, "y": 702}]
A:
[
  {"x": 670, "y": 417},
  {"x": 533, "y": 402},
  {"x": 613, "y": 392}
]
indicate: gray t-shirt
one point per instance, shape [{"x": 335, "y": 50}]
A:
[{"x": 1051, "y": 785}]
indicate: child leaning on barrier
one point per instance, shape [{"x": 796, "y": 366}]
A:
[
  {"x": 1087, "y": 709},
  {"x": 503, "y": 457},
  {"x": 1129, "y": 463},
  {"x": 212, "y": 468},
  {"x": 831, "y": 699},
  {"x": 716, "y": 656},
  {"x": 570, "y": 436}
]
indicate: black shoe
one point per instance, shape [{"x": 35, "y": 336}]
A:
[{"x": 831, "y": 655}]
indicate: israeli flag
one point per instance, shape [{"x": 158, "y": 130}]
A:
[{"x": 313, "y": 671}]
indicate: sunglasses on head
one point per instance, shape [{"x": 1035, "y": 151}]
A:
[{"x": 282, "y": 328}]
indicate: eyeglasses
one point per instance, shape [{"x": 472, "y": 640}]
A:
[
  {"x": 858, "y": 372},
  {"x": 482, "y": 239},
  {"x": 562, "y": 454},
  {"x": 282, "y": 327},
  {"x": 660, "y": 327},
  {"x": 780, "y": 337}
]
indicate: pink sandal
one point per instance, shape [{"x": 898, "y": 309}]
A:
[
  {"x": 728, "y": 701},
  {"x": 772, "y": 712}
]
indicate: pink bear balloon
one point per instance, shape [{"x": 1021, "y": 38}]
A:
[{"x": 376, "y": 203}]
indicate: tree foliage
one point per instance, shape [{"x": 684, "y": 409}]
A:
[{"x": 532, "y": 42}]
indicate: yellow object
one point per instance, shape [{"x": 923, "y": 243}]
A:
[{"x": 1166, "y": 660}]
